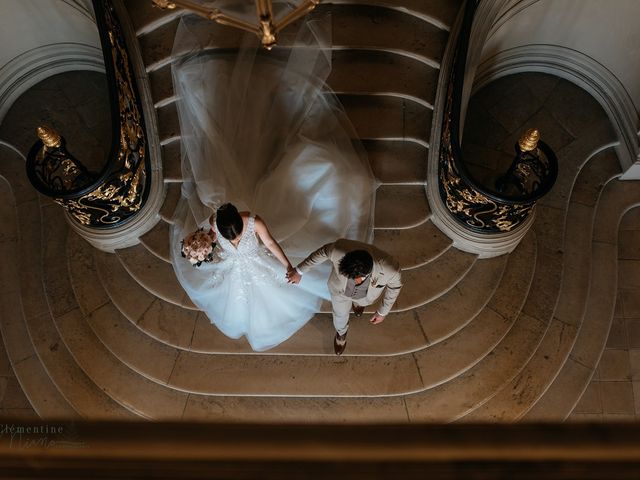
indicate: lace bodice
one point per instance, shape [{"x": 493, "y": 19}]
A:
[
  {"x": 246, "y": 266},
  {"x": 248, "y": 245}
]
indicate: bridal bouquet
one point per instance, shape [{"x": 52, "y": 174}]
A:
[{"x": 198, "y": 247}]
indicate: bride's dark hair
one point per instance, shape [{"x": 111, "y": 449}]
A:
[{"x": 229, "y": 221}]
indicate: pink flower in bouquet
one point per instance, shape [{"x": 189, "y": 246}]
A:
[{"x": 197, "y": 247}]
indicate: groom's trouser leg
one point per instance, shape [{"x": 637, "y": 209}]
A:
[{"x": 341, "y": 307}]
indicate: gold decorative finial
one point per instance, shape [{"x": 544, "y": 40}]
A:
[
  {"x": 529, "y": 141},
  {"x": 49, "y": 136}
]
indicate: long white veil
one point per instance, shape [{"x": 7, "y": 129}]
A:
[{"x": 261, "y": 130}]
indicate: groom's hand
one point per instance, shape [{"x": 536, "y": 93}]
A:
[
  {"x": 377, "y": 318},
  {"x": 293, "y": 276}
]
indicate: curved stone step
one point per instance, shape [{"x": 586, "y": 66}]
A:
[
  {"x": 523, "y": 340},
  {"x": 452, "y": 311},
  {"x": 133, "y": 392},
  {"x": 396, "y": 162},
  {"x": 413, "y": 247},
  {"x": 400, "y": 333},
  {"x": 475, "y": 386},
  {"x": 128, "y": 344},
  {"x": 386, "y": 116},
  {"x": 470, "y": 344},
  {"x": 441, "y": 13},
  {"x": 356, "y": 72},
  {"x": 423, "y": 284},
  {"x": 162, "y": 320},
  {"x": 138, "y": 394},
  {"x": 81, "y": 393},
  {"x": 168, "y": 124},
  {"x": 453, "y": 399},
  {"x": 401, "y": 206},
  {"x": 295, "y": 409},
  {"x": 565, "y": 391},
  {"x": 373, "y": 117},
  {"x": 78, "y": 389},
  {"x": 156, "y": 241},
  {"x": 353, "y": 72},
  {"x": 155, "y": 275},
  {"x": 170, "y": 201},
  {"x": 526, "y": 388},
  {"x": 364, "y": 26},
  {"x": 353, "y": 27},
  {"x": 145, "y": 17},
  {"x": 317, "y": 376},
  {"x": 172, "y": 161},
  {"x": 42, "y": 393},
  {"x": 378, "y": 72}
]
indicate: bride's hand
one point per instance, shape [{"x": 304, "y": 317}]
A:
[{"x": 293, "y": 276}]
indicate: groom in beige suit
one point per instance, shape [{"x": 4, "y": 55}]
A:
[{"x": 360, "y": 273}]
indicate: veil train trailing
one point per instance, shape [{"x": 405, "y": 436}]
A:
[{"x": 261, "y": 130}]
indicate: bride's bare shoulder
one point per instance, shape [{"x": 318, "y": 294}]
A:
[{"x": 259, "y": 224}]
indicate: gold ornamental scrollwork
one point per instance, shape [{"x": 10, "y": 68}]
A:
[
  {"x": 110, "y": 197},
  {"x": 465, "y": 202}
]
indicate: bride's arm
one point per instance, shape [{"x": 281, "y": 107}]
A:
[{"x": 269, "y": 242}]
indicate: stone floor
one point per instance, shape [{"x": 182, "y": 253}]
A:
[
  {"x": 502, "y": 111},
  {"x": 497, "y": 115},
  {"x": 75, "y": 104},
  {"x": 614, "y": 393}
]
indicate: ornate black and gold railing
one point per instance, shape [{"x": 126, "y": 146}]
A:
[
  {"x": 532, "y": 174},
  {"x": 113, "y": 195}
]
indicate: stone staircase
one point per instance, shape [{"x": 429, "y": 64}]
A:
[{"x": 96, "y": 335}]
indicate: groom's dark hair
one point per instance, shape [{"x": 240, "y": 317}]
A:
[
  {"x": 229, "y": 221},
  {"x": 356, "y": 263}
]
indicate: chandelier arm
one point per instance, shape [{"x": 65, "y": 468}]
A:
[
  {"x": 264, "y": 9},
  {"x": 210, "y": 14},
  {"x": 223, "y": 19},
  {"x": 301, "y": 10}
]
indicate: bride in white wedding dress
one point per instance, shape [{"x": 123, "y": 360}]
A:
[{"x": 260, "y": 130}]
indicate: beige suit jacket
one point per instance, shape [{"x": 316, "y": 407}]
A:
[{"x": 385, "y": 275}]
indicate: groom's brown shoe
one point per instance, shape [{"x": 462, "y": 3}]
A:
[
  {"x": 357, "y": 310},
  {"x": 339, "y": 343}
]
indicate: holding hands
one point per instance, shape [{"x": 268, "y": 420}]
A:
[{"x": 293, "y": 276}]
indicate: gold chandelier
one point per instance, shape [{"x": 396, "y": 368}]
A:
[{"x": 267, "y": 27}]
